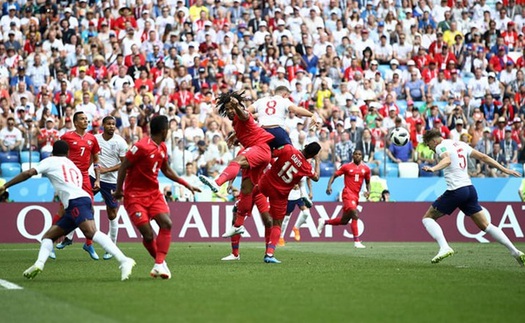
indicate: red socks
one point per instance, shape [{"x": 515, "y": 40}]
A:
[
  {"x": 245, "y": 204},
  {"x": 274, "y": 238},
  {"x": 355, "y": 230},
  {"x": 267, "y": 234},
  {"x": 229, "y": 173},
  {"x": 236, "y": 239},
  {"x": 151, "y": 246},
  {"x": 163, "y": 245}
]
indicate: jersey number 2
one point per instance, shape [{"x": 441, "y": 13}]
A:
[{"x": 286, "y": 173}]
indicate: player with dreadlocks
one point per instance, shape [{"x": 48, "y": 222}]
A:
[{"x": 253, "y": 159}]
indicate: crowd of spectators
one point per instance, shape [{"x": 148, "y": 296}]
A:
[{"x": 364, "y": 67}]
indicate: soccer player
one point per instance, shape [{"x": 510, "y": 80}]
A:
[
  {"x": 296, "y": 198},
  {"x": 272, "y": 112},
  {"x": 143, "y": 199},
  {"x": 113, "y": 150},
  {"x": 460, "y": 193},
  {"x": 255, "y": 156},
  {"x": 355, "y": 173},
  {"x": 66, "y": 179},
  {"x": 286, "y": 172},
  {"x": 83, "y": 149}
]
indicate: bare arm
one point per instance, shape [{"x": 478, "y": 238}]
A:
[
  {"x": 329, "y": 186},
  {"x": 492, "y": 163},
  {"x": 239, "y": 111},
  {"x": 443, "y": 163},
  {"x": 111, "y": 169},
  {"x": 120, "y": 178},
  {"x": 166, "y": 170},
  {"x": 23, "y": 176},
  {"x": 317, "y": 174},
  {"x": 96, "y": 185}
]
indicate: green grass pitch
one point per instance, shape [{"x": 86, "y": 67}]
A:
[{"x": 317, "y": 282}]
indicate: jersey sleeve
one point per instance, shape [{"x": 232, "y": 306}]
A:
[
  {"x": 441, "y": 149},
  {"x": 96, "y": 147},
  {"x": 341, "y": 170},
  {"x": 43, "y": 166},
  {"x": 134, "y": 153},
  {"x": 122, "y": 148}
]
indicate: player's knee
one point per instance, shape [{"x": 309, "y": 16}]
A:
[{"x": 112, "y": 214}]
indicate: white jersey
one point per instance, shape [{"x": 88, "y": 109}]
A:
[
  {"x": 272, "y": 111},
  {"x": 296, "y": 194},
  {"x": 110, "y": 153},
  {"x": 65, "y": 177},
  {"x": 456, "y": 174}
]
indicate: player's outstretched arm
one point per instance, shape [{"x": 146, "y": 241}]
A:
[
  {"x": 300, "y": 112},
  {"x": 239, "y": 110},
  {"x": 317, "y": 174},
  {"x": 329, "y": 186},
  {"x": 491, "y": 162},
  {"x": 443, "y": 163},
  {"x": 169, "y": 173},
  {"x": 23, "y": 176},
  {"x": 119, "y": 193}
]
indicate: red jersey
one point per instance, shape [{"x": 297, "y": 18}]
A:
[
  {"x": 81, "y": 149},
  {"x": 49, "y": 135},
  {"x": 354, "y": 177},
  {"x": 146, "y": 159},
  {"x": 288, "y": 170},
  {"x": 250, "y": 133}
]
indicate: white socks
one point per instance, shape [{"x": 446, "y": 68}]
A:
[
  {"x": 70, "y": 235},
  {"x": 436, "y": 232},
  {"x": 502, "y": 238},
  {"x": 46, "y": 246},
  {"x": 113, "y": 230},
  {"x": 302, "y": 218},
  {"x": 284, "y": 225},
  {"x": 108, "y": 245}
]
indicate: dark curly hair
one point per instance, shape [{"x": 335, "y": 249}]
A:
[{"x": 225, "y": 98}]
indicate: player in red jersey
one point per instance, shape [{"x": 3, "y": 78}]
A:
[
  {"x": 355, "y": 173},
  {"x": 83, "y": 149},
  {"x": 142, "y": 198},
  {"x": 255, "y": 156},
  {"x": 286, "y": 172}
]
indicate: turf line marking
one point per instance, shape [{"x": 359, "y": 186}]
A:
[{"x": 8, "y": 285}]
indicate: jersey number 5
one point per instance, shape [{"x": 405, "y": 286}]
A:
[
  {"x": 286, "y": 173},
  {"x": 462, "y": 159},
  {"x": 270, "y": 107}
]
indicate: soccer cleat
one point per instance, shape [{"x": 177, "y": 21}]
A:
[
  {"x": 160, "y": 270},
  {"x": 442, "y": 254},
  {"x": 359, "y": 245},
  {"x": 210, "y": 183},
  {"x": 91, "y": 250},
  {"x": 281, "y": 242},
  {"x": 271, "y": 260},
  {"x": 231, "y": 257},
  {"x": 107, "y": 256},
  {"x": 307, "y": 202},
  {"x": 296, "y": 234},
  {"x": 66, "y": 242},
  {"x": 520, "y": 258},
  {"x": 32, "y": 271},
  {"x": 232, "y": 231},
  {"x": 320, "y": 226},
  {"x": 126, "y": 268},
  {"x": 53, "y": 255}
]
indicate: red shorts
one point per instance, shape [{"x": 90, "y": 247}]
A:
[
  {"x": 350, "y": 202},
  {"x": 278, "y": 200},
  {"x": 143, "y": 208},
  {"x": 86, "y": 185},
  {"x": 257, "y": 156}
]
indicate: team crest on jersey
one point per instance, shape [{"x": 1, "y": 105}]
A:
[
  {"x": 162, "y": 154},
  {"x": 90, "y": 142},
  {"x": 138, "y": 214},
  {"x": 134, "y": 149},
  {"x": 152, "y": 156},
  {"x": 74, "y": 142}
]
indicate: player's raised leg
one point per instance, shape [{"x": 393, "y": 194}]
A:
[{"x": 435, "y": 231}]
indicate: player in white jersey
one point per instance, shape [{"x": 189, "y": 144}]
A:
[
  {"x": 272, "y": 111},
  {"x": 66, "y": 179},
  {"x": 113, "y": 149},
  {"x": 297, "y": 197},
  {"x": 460, "y": 193}
]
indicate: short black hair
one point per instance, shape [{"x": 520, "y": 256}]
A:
[
  {"x": 311, "y": 150},
  {"x": 108, "y": 118},
  {"x": 158, "y": 124},
  {"x": 60, "y": 148},
  {"x": 75, "y": 116}
]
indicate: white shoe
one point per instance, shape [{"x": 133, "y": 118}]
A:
[
  {"x": 233, "y": 231},
  {"x": 359, "y": 245},
  {"x": 231, "y": 257},
  {"x": 520, "y": 258},
  {"x": 320, "y": 226},
  {"x": 210, "y": 182},
  {"x": 52, "y": 254},
  {"x": 160, "y": 270},
  {"x": 126, "y": 268},
  {"x": 32, "y": 271},
  {"x": 442, "y": 254}
]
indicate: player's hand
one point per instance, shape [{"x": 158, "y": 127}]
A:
[
  {"x": 2, "y": 189},
  {"x": 118, "y": 194},
  {"x": 229, "y": 189},
  {"x": 507, "y": 171},
  {"x": 366, "y": 195},
  {"x": 328, "y": 190},
  {"x": 428, "y": 169},
  {"x": 96, "y": 186},
  {"x": 194, "y": 189}
]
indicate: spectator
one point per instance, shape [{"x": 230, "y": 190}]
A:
[{"x": 10, "y": 136}]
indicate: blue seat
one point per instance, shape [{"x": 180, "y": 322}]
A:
[
  {"x": 44, "y": 155},
  {"x": 327, "y": 169},
  {"x": 517, "y": 167},
  {"x": 10, "y": 169},
  {"x": 402, "y": 105},
  {"x": 9, "y": 157},
  {"x": 383, "y": 69},
  {"x": 25, "y": 156},
  {"x": 441, "y": 105},
  {"x": 392, "y": 170}
]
